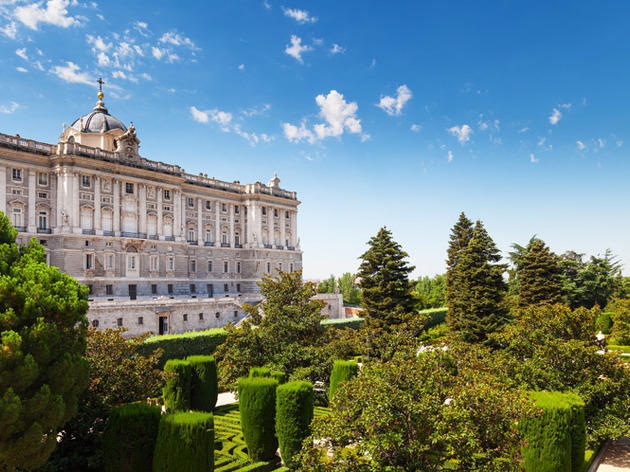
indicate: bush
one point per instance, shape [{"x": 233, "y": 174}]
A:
[
  {"x": 343, "y": 323},
  {"x": 204, "y": 387},
  {"x": 129, "y": 438},
  {"x": 294, "y": 413},
  {"x": 621, "y": 321},
  {"x": 604, "y": 322},
  {"x": 341, "y": 372},
  {"x": 257, "y": 404},
  {"x": 281, "y": 377},
  {"x": 259, "y": 372},
  {"x": 185, "y": 443},
  {"x": 176, "y": 392},
  {"x": 556, "y": 439},
  {"x": 180, "y": 346},
  {"x": 436, "y": 316}
]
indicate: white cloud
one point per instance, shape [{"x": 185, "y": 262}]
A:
[
  {"x": 267, "y": 4},
  {"x": 157, "y": 52},
  {"x": 103, "y": 59},
  {"x": 119, "y": 74},
  {"x": 555, "y": 116},
  {"x": 416, "y": 128},
  {"x": 601, "y": 143},
  {"x": 177, "y": 39},
  {"x": 449, "y": 156},
  {"x": 72, "y": 73},
  {"x": 462, "y": 133},
  {"x": 254, "y": 111},
  {"x": 97, "y": 43},
  {"x": 336, "y": 49},
  {"x": 533, "y": 159},
  {"x": 55, "y": 13},
  {"x": 296, "y": 49},
  {"x": 393, "y": 106},
  {"x": 241, "y": 67},
  {"x": 146, "y": 76},
  {"x": 295, "y": 134},
  {"x": 581, "y": 146},
  {"x": 228, "y": 124},
  {"x": 523, "y": 130},
  {"x": 22, "y": 53},
  {"x": 198, "y": 115},
  {"x": 10, "y": 30},
  {"x": 301, "y": 16},
  {"x": 542, "y": 143},
  {"x": 566, "y": 106},
  {"x": 10, "y": 108},
  {"x": 38, "y": 65},
  {"x": 21, "y": 69}
]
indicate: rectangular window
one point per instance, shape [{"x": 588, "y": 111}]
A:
[
  {"x": 226, "y": 266},
  {"x": 170, "y": 264},
  {"x": 208, "y": 205},
  {"x": 193, "y": 266},
  {"x": 167, "y": 194},
  {"x": 17, "y": 175},
  {"x": 128, "y": 187},
  {"x": 235, "y": 314},
  {"x": 224, "y": 207},
  {"x": 193, "y": 288},
  {"x": 209, "y": 266},
  {"x": 264, "y": 211},
  {"x": 208, "y": 236},
  {"x": 42, "y": 220},
  {"x": 109, "y": 261},
  {"x": 154, "y": 289},
  {"x": 154, "y": 263},
  {"x": 226, "y": 288},
  {"x": 238, "y": 288},
  {"x": 210, "y": 290},
  {"x": 191, "y": 202},
  {"x": 275, "y": 212},
  {"x": 140, "y": 320},
  {"x": 286, "y": 215},
  {"x": 280, "y": 266},
  {"x": 119, "y": 322},
  {"x": 191, "y": 235},
  {"x": 200, "y": 316},
  {"x": 238, "y": 267},
  {"x": 90, "y": 289},
  {"x": 185, "y": 316},
  {"x": 89, "y": 261},
  {"x": 85, "y": 181},
  {"x": 131, "y": 262},
  {"x": 170, "y": 289},
  {"x": 42, "y": 179},
  {"x": 269, "y": 267},
  {"x": 291, "y": 267},
  {"x": 236, "y": 210},
  {"x": 109, "y": 289},
  {"x": 42, "y": 195}
]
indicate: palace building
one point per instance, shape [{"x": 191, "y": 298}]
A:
[{"x": 161, "y": 250}]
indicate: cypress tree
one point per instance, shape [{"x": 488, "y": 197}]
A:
[
  {"x": 539, "y": 276},
  {"x": 481, "y": 289},
  {"x": 461, "y": 234}
]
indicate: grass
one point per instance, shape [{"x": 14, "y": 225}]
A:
[{"x": 230, "y": 450}]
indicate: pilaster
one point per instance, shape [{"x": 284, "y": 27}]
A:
[
  {"x": 98, "y": 226},
  {"x": 116, "y": 222},
  {"x": 31, "y": 227}
]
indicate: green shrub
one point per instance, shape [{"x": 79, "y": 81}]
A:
[
  {"x": 180, "y": 346},
  {"x": 343, "y": 323},
  {"x": 556, "y": 439},
  {"x": 204, "y": 387},
  {"x": 259, "y": 372},
  {"x": 620, "y": 330},
  {"x": 437, "y": 316},
  {"x": 280, "y": 376},
  {"x": 604, "y": 322},
  {"x": 257, "y": 404},
  {"x": 294, "y": 413},
  {"x": 341, "y": 372},
  {"x": 129, "y": 438},
  {"x": 176, "y": 392},
  {"x": 185, "y": 443}
]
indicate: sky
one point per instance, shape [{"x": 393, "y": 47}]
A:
[{"x": 398, "y": 114}]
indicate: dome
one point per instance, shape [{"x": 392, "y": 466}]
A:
[{"x": 98, "y": 121}]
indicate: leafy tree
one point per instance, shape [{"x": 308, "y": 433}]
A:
[
  {"x": 460, "y": 236},
  {"x": 42, "y": 372},
  {"x": 539, "y": 275},
  {"x": 327, "y": 286},
  {"x": 349, "y": 288},
  {"x": 479, "y": 307},
  {"x": 620, "y": 332},
  {"x": 431, "y": 292},
  {"x": 118, "y": 374}
]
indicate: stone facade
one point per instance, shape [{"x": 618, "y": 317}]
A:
[{"x": 142, "y": 234}]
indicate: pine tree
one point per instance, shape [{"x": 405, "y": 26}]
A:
[
  {"x": 384, "y": 273},
  {"x": 539, "y": 276},
  {"x": 461, "y": 234},
  {"x": 480, "y": 290}
]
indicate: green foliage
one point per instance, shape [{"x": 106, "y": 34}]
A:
[
  {"x": 539, "y": 275},
  {"x": 129, "y": 438},
  {"x": 343, "y": 323},
  {"x": 436, "y": 316},
  {"x": 294, "y": 413},
  {"x": 342, "y": 372},
  {"x": 177, "y": 390},
  {"x": 604, "y": 322},
  {"x": 620, "y": 321},
  {"x": 180, "y": 346},
  {"x": 42, "y": 341},
  {"x": 556, "y": 438},
  {"x": 259, "y": 372},
  {"x": 476, "y": 289},
  {"x": 257, "y": 403},
  {"x": 460, "y": 236},
  {"x": 185, "y": 443},
  {"x": 281, "y": 377},
  {"x": 430, "y": 292},
  {"x": 347, "y": 286},
  {"x": 204, "y": 384}
]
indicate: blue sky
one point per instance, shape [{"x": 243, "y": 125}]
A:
[{"x": 377, "y": 113}]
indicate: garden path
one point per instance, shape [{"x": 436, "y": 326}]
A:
[{"x": 616, "y": 457}]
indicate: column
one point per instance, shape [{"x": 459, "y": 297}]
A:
[
  {"x": 3, "y": 190},
  {"x": 66, "y": 199},
  {"x": 177, "y": 202},
  {"x": 259, "y": 225},
  {"x": 160, "y": 192},
  {"x": 231, "y": 220},
  {"x": 52, "y": 198},
  {"x": 74, "y": 196},
  {"x": 200, "y": 221},
  {"x": 98, "y": 228},
  {"x": 250, "y": 224},
  {"x": 294, "y": 229},
  {"x": 60, "y": 202},
  {"x": 116, "y": 223},
  {"x": 142, "y": 194},
  {"x": 31, "y": 227},
  {"x": 217, "y": 223},
  {"x": 283, "y": 223}
]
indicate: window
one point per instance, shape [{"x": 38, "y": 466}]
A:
[
  {"x": 275, "y": 212},
  {"x": 42, "y": 195},
  {"x": 131, "y": 262},
  {"x": 236, "y": 210},
  {"x": 193, "y": 288},
  {"x": 200, "y": 316},
  {"x": 170, "y": 290},
  {"x": 170, "y": 263},
  {"x": 90, "y": 289},
  {"x": 237, "y": 239},
  {"x": 238, "y": 288},
  {"x": 85, "y": 181},
  {"x": 42, "y": 220},
  {"x": 119, "y": 322},
  {"x": 208, "y": 205},
  {"x": 17, "y": 175},
  {"x": 193, "y": 266},
  {"x": 16, "y": 217},
  {"x": 89, "y": 261},
  {"x": 185, "y": 316},
  {"x": 291, "y": 267},
  {"x": 224, "y": 207},
  {"x": 167, "y": 194},
  {"x": 280, "y": 266},
  {"x": 191, "y": 202},
  {"x": 238, "y": 267},
  {"x": 95, "y": 323},
  {"x": 208, "y": 236},
  {"x": 154, "y": 263},
  {"x": 268, "y": 267},
  {"x": 191, "y": 234},
  {"x": 235, "y": 314},
  {"x": 264, "y": 211},
  {"x": 210, "y": 290},
  {"x": 217, "y": 315},
  {"x": 128, "y": 187},
  {"x": 226, "y": 266},
  {"x": 226, "y": 288},
  {"x": 209, "y": 266},
  {"x": 140, "y": 320},
  {"x": 154, "y": 289},
  {"x": 42, "y": 179},
  {"x": 109, "y": 289},
  {"x": 224, "y": 238},
  {"x": 109, "y": 261}
]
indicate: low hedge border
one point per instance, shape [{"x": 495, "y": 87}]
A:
[{"x": 180, "y": 346}]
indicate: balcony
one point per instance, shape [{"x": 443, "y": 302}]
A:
[
  {"x": 208, "y": 243},
  {"x": 225, "y": 244},
  {"x": 169, "y": 238},
  {"x": 153, "y": 237},
  {"x": 21, "y": 229},
  {"x": 44, "y": 230},
  {"x": 268, "y": 246},
  {"x": 108, "y": 233},
  {"x": 290, "y": 248},
  {"x": 85, "y": 231},
  {"x": 279, "y": 247},
  {"x": 193, "y": 243},
  {"x": 240, "y": 246}
]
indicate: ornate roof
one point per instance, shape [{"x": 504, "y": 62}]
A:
[{"x": 99, "y": 120}]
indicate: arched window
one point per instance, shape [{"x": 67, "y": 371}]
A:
[
  {"x": 133, "y": 262},
  {"x": 42, "y": 220}
]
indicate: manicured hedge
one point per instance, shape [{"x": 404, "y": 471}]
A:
[
  {"x": 436, "y": 316},
  {"x": 259, "y": 372},
  {"x": 257, "y": 404},
  {"x": 294, "y": 413},
  {"x": 342, "y": 323},
  {"x": 280, "y": 376},
  {"x": 555, "y": 440},
  {"x": 129, "y": 438},
  {"x": 341, "y": 372},
  {"x": 604, "y": 322},
  {"x": 204, "y": 387},
  {"x": 180, "y": 346},
  {"x": 176, "y": 392},
  {"x": 185, "y": 443}
]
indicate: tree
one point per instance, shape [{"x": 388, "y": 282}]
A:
[
  {"x": 539, "y": 275},
  {"x": 461, "y": 234},
  {"x": 621, "y": 321},
  {"x": 431, "y": 292},
  {"x": 327, "y": 286},
  {"x": 479, "y": 295},
  {"x": 42, "y": 373},
  {"x": 349, "y": 288}
]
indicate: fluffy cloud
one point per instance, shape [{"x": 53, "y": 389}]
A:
[
  {"x": 22, "y": 53},
  {"x": 241, "y": 67},
  {"x": 21, "y": 69},
  {"x": 580, "y": 145},
  {"x": 10, "y": 108},
  {"x": 555, "y": 116},
  {"x": 295, "y": 49},
  {"x": 533, "y": 159},
  {"x": 54, "y": 12},
  {"x": 336, "y": 49},
  {"x": 295, "y": 134},
  {"x": 177, "y": 39},
  {"x": 462, "y": 133},
  {"x": 10, "y": 30},
  {"x": 226, "y": 122},
  {"x": 301, "y": 16},
  {"x": 72, "y": 73},
  {"x": 393, "y": 106},
  {"x": 97, "y": 43},
  {"x": 222, "y": 117},
  {"x": 416, "y": 128},
  {"x": 449, "y": 156}
]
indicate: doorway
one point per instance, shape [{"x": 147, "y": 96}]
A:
[
  {"x": 133, "y": 291},
  {"x": 163, "y": 325}
]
